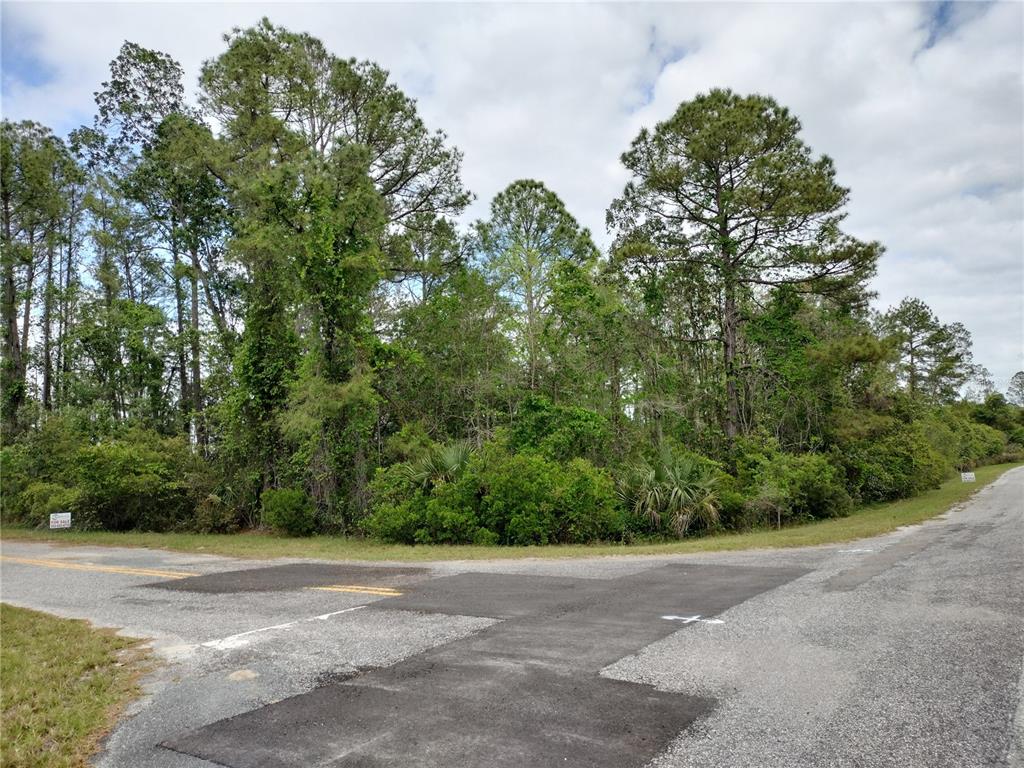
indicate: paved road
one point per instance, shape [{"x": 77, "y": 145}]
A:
[{"x": 903, "y": 650}]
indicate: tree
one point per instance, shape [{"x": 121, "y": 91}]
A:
[
  {"x": 145, "y": 87},
  {"x": 332, "y": 103},
  {"x": 528, "y": 233},
  {"x": 1015, "y": 392},
  {"x": 934, "y": 360},
  {"x": 32, "y": 164},
  {"x": 727, "y": 189}
]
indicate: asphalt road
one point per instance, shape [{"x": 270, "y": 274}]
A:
[{"x": 902, "y": 650}]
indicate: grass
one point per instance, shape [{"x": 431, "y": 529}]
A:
[
  {"x": 62, "y": 685},
  {"x": 868, "y": 521}
]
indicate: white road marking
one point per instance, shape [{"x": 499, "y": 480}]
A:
[
  {"x": 241, "y": 639},
  {"x": 691, "y": 619},
  {"x": 854, "y": 551}
]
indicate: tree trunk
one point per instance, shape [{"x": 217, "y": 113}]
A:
[
  {"x": 47, "y": 321},
  {"x": 179, "y": 308},
  {"x": 197, "y": 393},
  {"x": 30, "y": 278}
]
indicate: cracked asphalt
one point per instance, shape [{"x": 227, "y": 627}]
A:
[{"x": 901, "y": 650}]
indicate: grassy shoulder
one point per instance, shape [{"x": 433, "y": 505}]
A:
[
  {"x": 867, "y": 521},
  {"x": 63, "y": 684}
]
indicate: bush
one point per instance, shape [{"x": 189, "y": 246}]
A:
[
  {"x": 289, "y": 511},
  {"x": 213, "y": 515},
  {"x": 40, "y": 500},
  {"x": 587, "y": 505},
  {"x": 894, "y": 466},
  {"x": 672, "y": 491},
  {"x": 130, "y": 484},
  {"x": 518, "y": 497},
  {"x": 559, "y": 432},
  {"x": 798, "y": 487},
  {"x": 496, "y": 498}
]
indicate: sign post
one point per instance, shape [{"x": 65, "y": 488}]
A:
[{"x": 967, "y": 477}]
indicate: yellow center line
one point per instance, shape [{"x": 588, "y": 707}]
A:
[
  {"x": 380, "y": 591},
  {"x": 98, "y": 568}
]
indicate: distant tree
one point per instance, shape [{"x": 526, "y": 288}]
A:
[
  {"x": 934, "y": 360},
  {"x": 528, "y": 233},
  {"x": 727, "y": 189},
  {"x": 1015, "y": 392}
]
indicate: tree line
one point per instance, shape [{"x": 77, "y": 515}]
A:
[{"x": 257, "y": 307}]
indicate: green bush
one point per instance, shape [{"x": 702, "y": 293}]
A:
[
  {"x": 213, "y": 515},
  {"x": 289, "y": 511},
  {"x": 799, "y": 487},
  {"x": 896, "y": 465},
  {"x": 559, "y": 432},
  {"x": 496, "y": 498},
  {"x": 672, "y": 491},
  {"x": 518, "y": 497},
  {"x": 587, "y": 505},
  {"x": 397, "y": 523},
  {"x": 131, "y": 484},
  {"x": 40, "y": 500}
]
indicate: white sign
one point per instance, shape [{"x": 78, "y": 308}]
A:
[
  {"x": 967, "y": 477},
  {"x": 60, "y": 520}
]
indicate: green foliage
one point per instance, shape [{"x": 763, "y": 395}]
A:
[
  {"x": 496, "y": 497},
  {"x": 588, "y": 507},
  {"x": 288, "y": 302},
  {"x": 441, "y": 464},
  {"x": 895, "y": 465},
  {"x": 288, "y": 511},
  {"x": 132, "y": 484},
  {"x": 40, "y": 500},
  {"x": 671, "y": 492},
  {"x": 559, "y": 432}
]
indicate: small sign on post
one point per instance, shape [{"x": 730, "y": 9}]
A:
[
  {"x": 60, "y": 520},
  {"x": 967, "y": 477}
]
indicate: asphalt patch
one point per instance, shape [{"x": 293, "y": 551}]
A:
[
  {"x": 282, "y": 578},
  {"x": 526, "y": 691}
]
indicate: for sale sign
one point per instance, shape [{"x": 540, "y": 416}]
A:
[
  {"x": 60, "y": 520},
  {"x": 966, "y": 477}
]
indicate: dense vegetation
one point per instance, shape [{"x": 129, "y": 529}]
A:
[{"x": 261, "y": 311}]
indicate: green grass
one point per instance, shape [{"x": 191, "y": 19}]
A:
[
  {"x": 62, "y": 685},
  {"x": 868, "y": 521}
]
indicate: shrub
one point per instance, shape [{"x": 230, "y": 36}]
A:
[
  {"x": 518, "y": 497},
  {"x": 799, "y": 487},
  {"x": 289, "y": 511},
  {"x": 672, "y": 491},
  {"x": 213, "y": 515},
  {"x": 40, "y": 500},
  {"x": 896, "y": 465},
  {"x": 130, "y": 484},
  {"x": 559, "y": 432},
  {"x": 587, "y": 506},
  {"x": 396, "y": 523}
]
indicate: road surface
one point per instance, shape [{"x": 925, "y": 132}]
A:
[{"x": 902, "y": 650}]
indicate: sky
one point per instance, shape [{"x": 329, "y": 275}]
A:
[{"x": 920, "y": 105}]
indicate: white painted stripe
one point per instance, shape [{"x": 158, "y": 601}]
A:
[
  {"x": 691, "y": 619},
  {"x": 240, "y": 640}
]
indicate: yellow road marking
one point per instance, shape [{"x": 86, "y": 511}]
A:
[
  {"x": 98, "y": 568},
  {"x": 381, "y": 591}
]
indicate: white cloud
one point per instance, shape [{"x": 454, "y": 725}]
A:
[{"x": 930, "y": 140}]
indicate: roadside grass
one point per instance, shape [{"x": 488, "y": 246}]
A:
[
  {"x": 867, "y": 521},
  {"x": 62, "y": 686}
]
